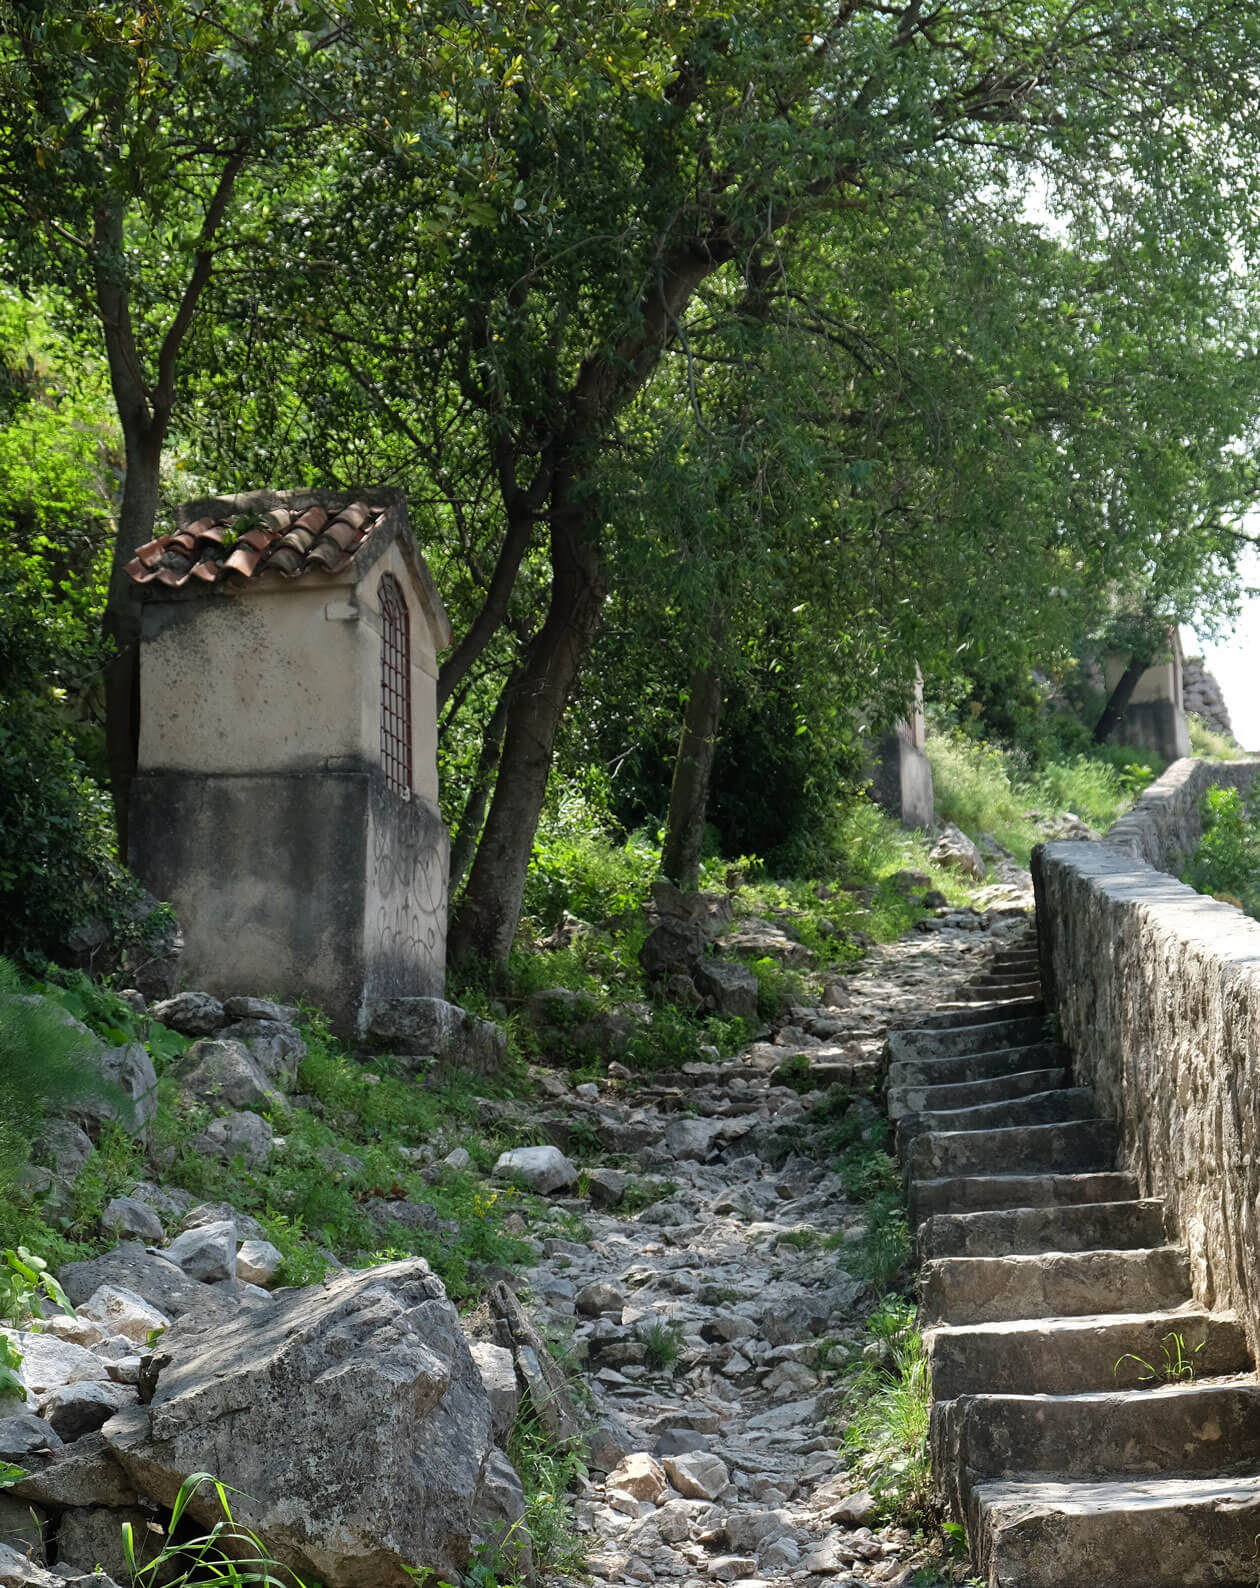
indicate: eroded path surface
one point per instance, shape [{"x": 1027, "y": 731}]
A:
[{"x": 713, "y": 1321}]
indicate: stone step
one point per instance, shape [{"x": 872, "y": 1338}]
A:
[
  {"x": 1020, "y": 1232},
  {"x": 1077, "y": 1145},
  {"x": 1061, "y": 1356},
  {"x": 1159, "y": 1533},
  {"x": 1053, "y": 1284},
  {"x": 976, "y": 1066},
  {"x": 952, "y": 1019},
  {"x": 1057, "y": 1106},
  {"x": 1024, "y": 968},
  {"x": 993, "y": 1192},
  {"x": 957, "y": 1041},
  {"x": 998, "y": 992},
  {"x": 1187, "y": 1428},
  {"x": 903, "y": 1100}
]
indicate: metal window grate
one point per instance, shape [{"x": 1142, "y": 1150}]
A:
[{"x": 395, "y": 687}]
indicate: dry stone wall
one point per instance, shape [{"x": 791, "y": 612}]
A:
[{"x": 1157, "y": 991}]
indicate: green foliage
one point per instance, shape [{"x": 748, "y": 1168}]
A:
[
  {"x": 777, "y": 986},
  {"x": 230, "y": 1555},
  {"x": 25, "y": 1284},
  {"x": 1226, "y": 862},
  {"x": 57, "y": 860},
  {"x": 578, "y": 866},
  {"x": 886, "y": 1408},
  {"x": 548, "y": 1471},
  {"x": 1210, "y": 745},
  {"x": 883, "y": 1253},
  {"x": 985, "y": 787},
  {"x": 674, "y": 1035},
  {"x": 46, "y": 1065},
  {"x": 663, "y": 1342},
  {"x": 11, "y": 1360}
]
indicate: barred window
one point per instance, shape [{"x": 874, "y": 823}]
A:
[{"x": 395, "y": 686}]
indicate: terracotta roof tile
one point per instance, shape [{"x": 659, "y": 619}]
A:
[{"x": 290, "y": 544}]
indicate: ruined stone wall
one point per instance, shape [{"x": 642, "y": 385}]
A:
[
  {"x": 1203, "y": 695},
  {"x": 1157, "y": 992}
]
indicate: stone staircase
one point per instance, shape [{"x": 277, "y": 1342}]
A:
[{"x": 1056, "y": 1314}]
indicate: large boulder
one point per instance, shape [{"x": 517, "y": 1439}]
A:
[
  {"x": 756, "y": 938},
  {"x": 543, "y": 1169},
  {"x": 728, "y": 988},
  {"x": 130, "y": 1076},
  {"x": 673, "y": 948},
  {"x": 351, "y": 1420},
  {"x": 276, "y": 1046},
  {"x": 193, "y": 1014},
  {"x": 430, "y": 1028},
  {"x": 156, "y": 1280},
  {"x": 247, "y": 1136},
  {"x": 225, "y": 1075},
  {"x": 956, "y": 852}
]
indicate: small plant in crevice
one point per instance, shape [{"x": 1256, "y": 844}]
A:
[
  {"x": 640, "y": 1194},
  {"x": 663, "y": 1342},
  {"x": 1178, "y": 1367}
]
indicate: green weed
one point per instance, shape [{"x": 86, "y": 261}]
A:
[
  {"x": 1179, "y": 1364},
  {"x": 230, "y": 1555},
  {"x": 548, "y": 1471},
  {"x": 663, "y": 1342},
  {"x": 884, "y": 1250},
  {"x": 46, "y": 1066},
  {"x": 886, "y": 1406},
  {"x": 1208, "y": 744},
  {"x": 987, "y": 787}
]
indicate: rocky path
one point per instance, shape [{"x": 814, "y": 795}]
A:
[
  {"x": 708, "y": 1323},
  {"x": 1092, "y": 1422}
]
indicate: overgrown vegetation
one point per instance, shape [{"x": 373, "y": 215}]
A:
[
  {"x": 45, "y": 1068},
  {"x": 985, "y": 787},
  {"x": 1226, "y": 862},
  {"x": 886, "y": 1407}
]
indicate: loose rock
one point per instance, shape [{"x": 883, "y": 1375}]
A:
[{"x": 544, "y": 1169}]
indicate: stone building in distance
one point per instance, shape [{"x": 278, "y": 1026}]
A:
[{"x": 286, "y": 792}]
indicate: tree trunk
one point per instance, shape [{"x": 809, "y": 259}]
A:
[
  {"x": 465, "y": 845},
  {"x": 1121, "y": 695},
  {"x": 689, "y": 792},
  {"x": 485, "y": 922},
  {"x": 121, "y": 623}
]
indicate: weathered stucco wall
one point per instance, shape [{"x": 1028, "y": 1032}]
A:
[{"x": 1157, "y": 990}]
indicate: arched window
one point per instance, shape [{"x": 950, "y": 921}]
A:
[{"x": 395, "y": 686}]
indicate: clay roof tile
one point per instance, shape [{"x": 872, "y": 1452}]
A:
[{"x": 291, "y": 543}]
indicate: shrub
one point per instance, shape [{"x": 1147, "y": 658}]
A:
[
  {"x": 547, "y": 1471},
  {"x": 1227, "y": 860},
  {"x": 581, "y": 866}
]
